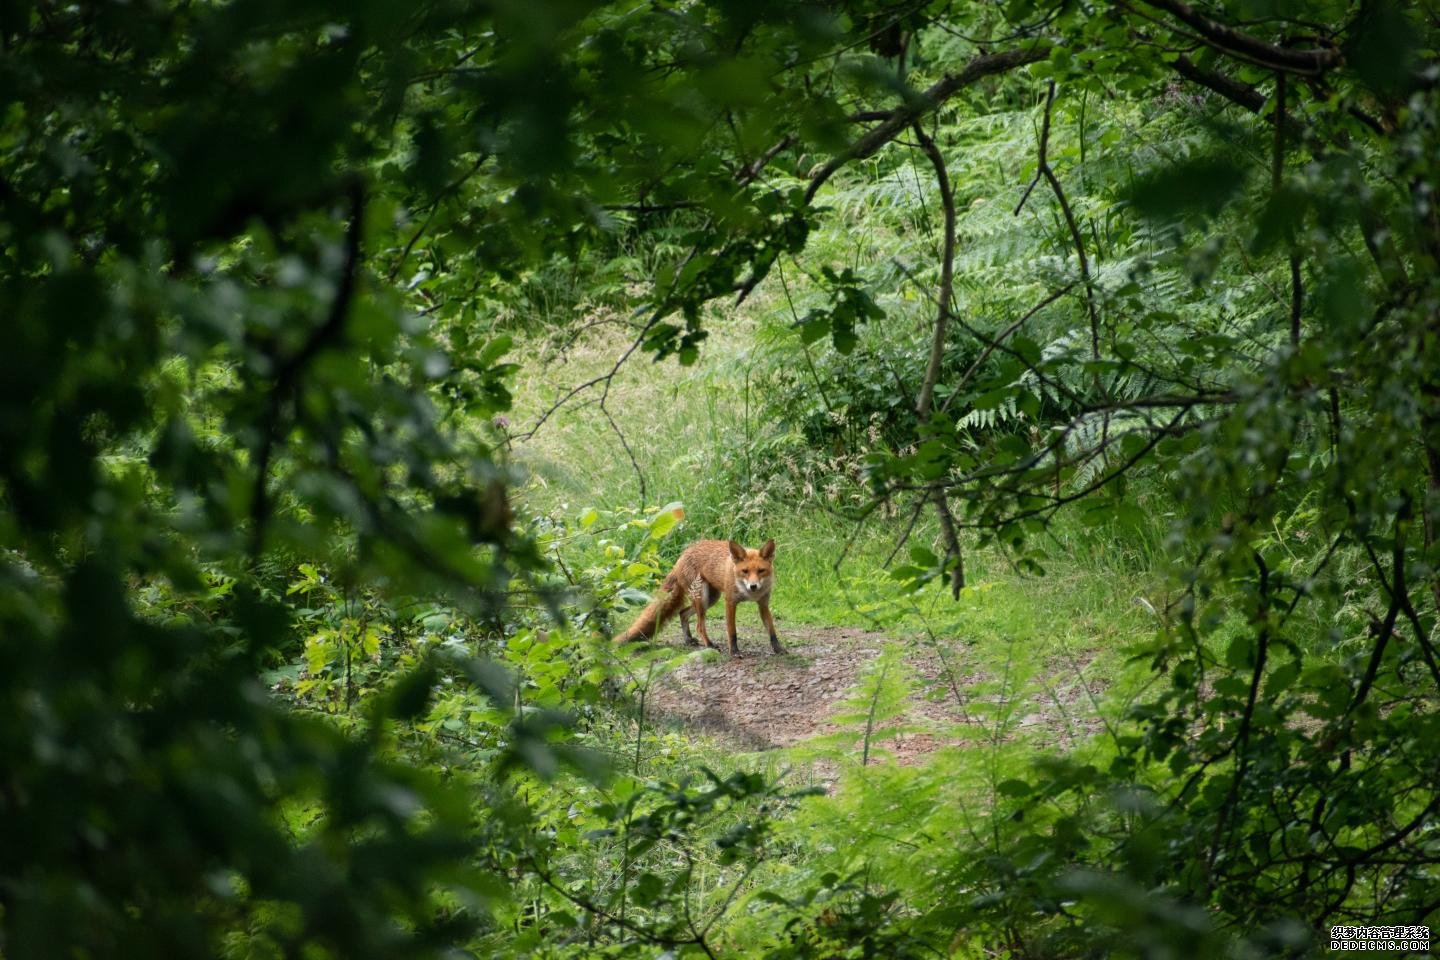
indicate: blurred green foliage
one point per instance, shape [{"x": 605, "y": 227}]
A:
[{"x": 284, "y": 670}]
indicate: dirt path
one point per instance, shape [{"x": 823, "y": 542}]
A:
[{"x": 765, "y": 702}]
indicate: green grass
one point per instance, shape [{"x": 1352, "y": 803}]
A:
[{"x": 688, "y": 432}]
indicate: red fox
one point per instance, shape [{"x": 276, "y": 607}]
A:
[{"x": 706, "y": 571}]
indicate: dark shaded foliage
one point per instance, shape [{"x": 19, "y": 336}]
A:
[{"x": 241, "y": 249}]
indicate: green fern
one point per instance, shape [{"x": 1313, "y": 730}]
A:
[{"x": 873, "y": 713}]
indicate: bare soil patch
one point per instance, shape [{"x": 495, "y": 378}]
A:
[{"x": 764, "y": 701}]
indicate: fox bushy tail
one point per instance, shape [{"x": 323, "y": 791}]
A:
[{"x": 661, "y": 609}]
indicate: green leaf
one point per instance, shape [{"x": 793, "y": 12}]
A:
[
  {"x": 666, "y": 520},
  {"x": 1240, "y": 654},
  {"x": 1014, "y": 788},
  {"x": 1201, "y": 185}
]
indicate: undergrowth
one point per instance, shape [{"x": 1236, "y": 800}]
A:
[{"x": 1014, "y": 637}]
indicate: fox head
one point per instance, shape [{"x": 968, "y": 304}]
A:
[{"x": 754, "y": 571}]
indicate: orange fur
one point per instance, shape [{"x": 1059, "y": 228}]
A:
[{"x": 706, "y": 571}]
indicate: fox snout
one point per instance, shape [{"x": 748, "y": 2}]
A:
[{"x": 751, "y": 584}]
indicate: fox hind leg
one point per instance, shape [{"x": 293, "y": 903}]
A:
[
  {"x": 700, "y": 626},
  {"x": 699, "y": 592}
]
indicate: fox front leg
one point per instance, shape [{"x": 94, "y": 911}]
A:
[
  {"x": 730, "y": 627},
  {"x": 770, "y": 626}
]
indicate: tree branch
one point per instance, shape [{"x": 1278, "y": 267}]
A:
[
  {"x": 937, "y": 348},
  {"x": 1222, "y": 37},
  {"x": 287, "y": 378},
  {"x": 1232, "y": 90},
  {"x": 753, "y": 169},
  {"x": 1396, "y": 591},
  {"x": 902, "y": 117}
]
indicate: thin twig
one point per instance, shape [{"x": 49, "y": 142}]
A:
[
  {"x": 909, "y": 528},
  {"x": 1043, "y": 169},
  {"x": 635, "y": 465},
  {"x": 1242, "y": 737},
  {"x": 432, "y": 210},
  {"x": 997, "y": 340}
]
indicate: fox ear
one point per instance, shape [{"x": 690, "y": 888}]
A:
[
  {"x": 737, "y": 551},
  {"x": 768, "y": 551}
]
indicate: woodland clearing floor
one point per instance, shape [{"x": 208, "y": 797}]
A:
[{"x": 763, "y": 701}]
